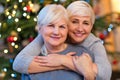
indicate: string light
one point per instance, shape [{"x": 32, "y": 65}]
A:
[
  {"x": 13, "y": 12},
  {"x": 7, "y": 13},
  {"x": 5, "y": 51},
  {"x": 0, "y": 35},
  {"x": 24, "y": 14},
  {"x": 56, "y": 0},
  {"x": 8, "y": 0},
  {"x": 109, "y": 29},
  {"x": 16, "y": 19},
  {"x": 18, "y": 29},
  {"x": 13, "y": 75},
  {"x": 15, "y": 6},
  {"x": 35, "y": 19},
  {"x": 24, "y": 8},
  {"x": 28, "y": 17},
  {"x": 13, "y": 44},
  {"x": 0, "y": 24},
  {"x": 15, "y": 38},
  {"x": 5, "y": 69},
  {"x": 16, "y": 46},
  {"x": 9, "y": 17},
  {"x": 20, "y": 1}
]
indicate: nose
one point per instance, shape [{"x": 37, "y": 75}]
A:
[
  {"x": 80, "y": 27},
  {"x": 56, "y": 31}
]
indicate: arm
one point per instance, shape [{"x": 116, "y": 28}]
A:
[
  {"x": 101, "y": 61},
  {"x": 24, "y": 58},
  {"x": 84, "y": 66},
  {"x": 35, "y": 67},
  {"x": 51, "y": 62}
]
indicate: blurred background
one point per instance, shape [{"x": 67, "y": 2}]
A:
[{"x": 18, "y": 28}]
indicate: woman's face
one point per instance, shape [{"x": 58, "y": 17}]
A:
[
  {"x": 55, "y": 33},
  {"x": 79, "y": 28}
]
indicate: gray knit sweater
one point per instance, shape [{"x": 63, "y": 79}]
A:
[{"x": 94, "y": 44}]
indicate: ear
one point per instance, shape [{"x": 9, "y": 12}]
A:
[{"x": 39, "y": 30}]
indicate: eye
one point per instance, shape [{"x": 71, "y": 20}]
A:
[
  {"x": 75, "y": 21},
  {"x": 86, "y": 23},
  {"x": 63, "y": 26},
  {"x": 50, "y": 25}
]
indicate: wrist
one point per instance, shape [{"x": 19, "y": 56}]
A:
[{"x": 89, "y": 76}]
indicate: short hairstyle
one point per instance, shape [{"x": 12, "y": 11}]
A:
[
  {"x": 81, "y": 8},
  {"x": 50, "y": 13}
]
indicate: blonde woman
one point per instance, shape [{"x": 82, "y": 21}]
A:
[{"x": 81, "y": 21}]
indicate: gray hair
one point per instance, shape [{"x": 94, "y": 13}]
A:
[
  {"x": 81, "y": 8},
  {"x": 50, "y": 13}
]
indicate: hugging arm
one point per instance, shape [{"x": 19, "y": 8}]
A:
[
  {"x": 24, "y": 61},
  {"x": 102, "y": 62},
  {"x": 24, "y": 57},
  {"x": 103, "y": 67}
]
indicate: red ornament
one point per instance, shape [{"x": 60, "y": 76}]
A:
[
  {"x": 10, "y": 39},
  {"x": 28, "y": 8},
  {"x": 31, "y": 39},
  {"x": 102, "y": 36},
  {"x": 115, "y": 62}
]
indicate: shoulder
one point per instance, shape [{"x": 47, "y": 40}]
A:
[{"x": 91, "y": 40}]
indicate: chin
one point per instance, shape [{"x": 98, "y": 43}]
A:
[{"x": 75, "y": 41}]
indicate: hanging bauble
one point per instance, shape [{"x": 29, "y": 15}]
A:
[
  {"x": 31, "y": 39},
  {"x": 10, "y": 39},
  {"x": 102, "y": 36},
  {"x": 35, "y": 8},
  {"x": 1, "y": 9},
  {"x": 11, "y": 60},
  {"x": 14, "y": 33},
  {"x": 62, "y": 1},
  {"x": 115, "y": 62},
  {"x": 28, "y": 8}
]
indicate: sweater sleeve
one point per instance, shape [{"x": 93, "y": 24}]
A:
[
  {"x": 102, "y": 62},
  {"x": 25, "y": 56}
]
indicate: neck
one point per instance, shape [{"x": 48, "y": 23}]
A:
[{"x": 55, "y": 49}]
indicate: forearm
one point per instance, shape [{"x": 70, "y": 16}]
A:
[
  {"x": 68, "y": 63},
  {"x": 25, "y": 56},
  {"x": 35, "y": 67},
  {"x": 89, "y": 75}
]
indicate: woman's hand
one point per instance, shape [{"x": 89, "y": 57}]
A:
[
  {"x": 84, "y": 66},
  {"x": 49, "y": 60},
  {"x": 54, "y": 59}
]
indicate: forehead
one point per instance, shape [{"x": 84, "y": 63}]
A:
[
  {"x": 59, "y": 21},
  {"x": 78, "y": 17}
]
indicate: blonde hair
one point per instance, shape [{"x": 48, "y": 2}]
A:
[
  {"x": 50, "y": 13},
  {"x": 81, "y": 8}
]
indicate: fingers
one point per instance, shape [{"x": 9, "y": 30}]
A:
[
  {"x": 75, "y": 58},
  {"x": 41, "y": 59},
  {"x": 87, "y": 55},
  {"x": 71, "y": 53}
]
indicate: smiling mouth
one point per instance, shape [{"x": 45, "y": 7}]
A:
[{"x": 55, "y": 38}]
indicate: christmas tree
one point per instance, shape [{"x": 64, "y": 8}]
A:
[{"x": 18, "y": 28}]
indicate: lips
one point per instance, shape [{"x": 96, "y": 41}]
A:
[
  {"x": 54, "y": 37},
  {"x": 78, "y": 34}
]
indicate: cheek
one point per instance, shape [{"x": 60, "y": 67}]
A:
[
  {"x": 71, "y": 27},
  {"x": 88, "y": 29}
]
